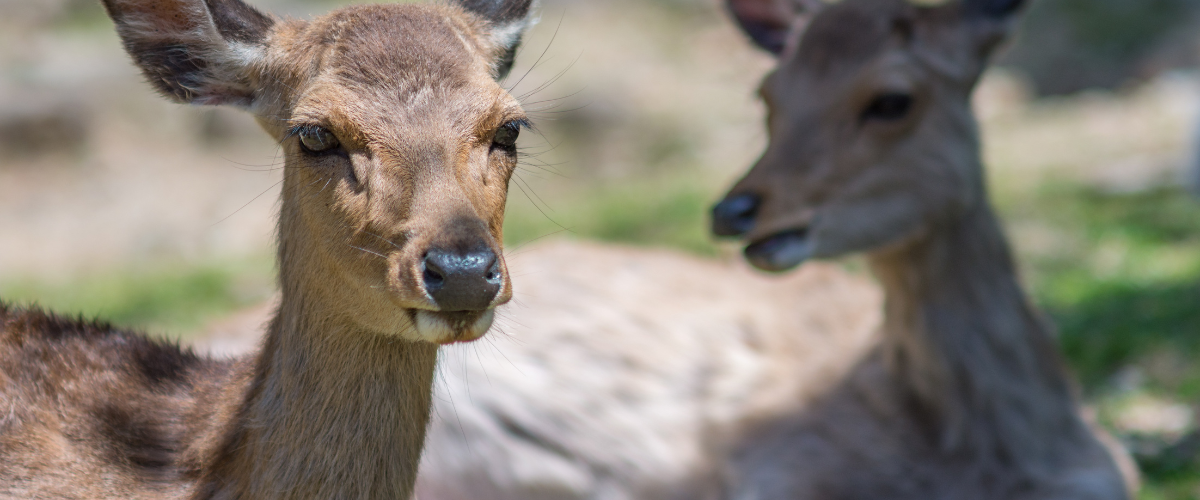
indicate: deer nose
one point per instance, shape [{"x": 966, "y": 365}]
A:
[
  {"x": 734, "y": 216},
  {"x": 462, "y": 281}
]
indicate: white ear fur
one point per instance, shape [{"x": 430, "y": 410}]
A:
[
  {"x": 509, "y": 35},
  {"x": 508, "y": 20}
]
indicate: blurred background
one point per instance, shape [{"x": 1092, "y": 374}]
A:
[{"x": 114, "y": 202}]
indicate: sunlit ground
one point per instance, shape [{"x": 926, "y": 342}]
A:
[{"x": 653, "y": 125}]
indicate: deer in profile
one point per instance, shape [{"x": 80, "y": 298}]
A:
[
  {"x": 714, "y": 383},
  {"x": 399, "y": 144}
]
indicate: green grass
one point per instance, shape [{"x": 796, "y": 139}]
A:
[
  {"x": 666, "y": 210},
  {"x": 1129, "y": 285},
  {"x": 163, "y": 299}
]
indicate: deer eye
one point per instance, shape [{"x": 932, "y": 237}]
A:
[
  {"x": 891, "y": 106},
  {"x": 506, "y": 136},
  {"x": 315, "y": 139}
]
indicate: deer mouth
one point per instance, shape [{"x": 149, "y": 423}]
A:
[
  {"x": 452, "y": 327},
  {"x": 781, "y": 251}
]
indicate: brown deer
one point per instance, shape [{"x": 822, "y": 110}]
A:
[
  {"x": 712, "y": 383},
  {"x": 873, "y": 148},
  {"x": 399, "y": 145}
]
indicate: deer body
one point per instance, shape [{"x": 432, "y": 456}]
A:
[
  {"x": 964, "y": 396},
  {"x": 799, "y": 387},
  {"x": 590, "y": 394},
  {"x": 399, "y": 144}
]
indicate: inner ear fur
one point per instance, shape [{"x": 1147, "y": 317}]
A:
[
  {"x": 193, "y": 51},
  {"x": 507, "y": 22}
]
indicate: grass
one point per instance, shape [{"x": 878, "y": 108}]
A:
[
  {"x": 667, "y": 209},
  {"x": 165, "y": 298},
  {"x": 1129, "y": 285}
]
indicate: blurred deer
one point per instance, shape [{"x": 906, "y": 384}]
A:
[
  {"x": 399, "y": 145},
  {"x": 713, "y": 383},
  {"x": 873, "y": 148}
]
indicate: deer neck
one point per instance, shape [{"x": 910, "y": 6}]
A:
[
  {"x": 968, "y": 348},
  {"x": 333, "y": 411}
]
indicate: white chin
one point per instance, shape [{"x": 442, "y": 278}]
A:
[{"x": 443, "y": 328}]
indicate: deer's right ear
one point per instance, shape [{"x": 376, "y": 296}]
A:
[
  {"x": 508, "y": 20},
  {"x": 991, "y": 21},
  {"x": 193, "y": 51},
  {"x": 768, "y": 22},
  {"x": 995, "y": 9}
]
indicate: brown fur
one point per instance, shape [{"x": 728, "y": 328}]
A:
[{"x": 335, "y": 403}]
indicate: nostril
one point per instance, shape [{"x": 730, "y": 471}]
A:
[
  {"x": 493, "y": 273},
  {"x": 734, "y": 216},
  {"x": 433, "y": 279},
  {"x": 432, "y": 272}
]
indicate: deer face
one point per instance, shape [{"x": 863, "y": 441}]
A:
[
  {"x": 398, "y": 144},
  {"x": 401, "y": 157},
  {"x": 872, "y": 141}
]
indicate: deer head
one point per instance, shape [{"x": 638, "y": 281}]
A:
[
  {"x": 872, "y": 139},
  {"x": 398, "y": 144}
]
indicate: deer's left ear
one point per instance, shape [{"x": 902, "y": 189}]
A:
[{"x": 508, "y": 20}]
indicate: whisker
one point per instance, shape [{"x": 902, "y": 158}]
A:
[
  {"x": 247, "y": 203},
  {"x": 552, "y": 81},
  {"x": 368, "y": 251}
]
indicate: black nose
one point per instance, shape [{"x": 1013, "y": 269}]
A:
[
  {"x": 734, "y": 216},
  {"x": 462, "y": 281}
]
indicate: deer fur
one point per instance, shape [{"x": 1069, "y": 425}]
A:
[
  {"x": 403, "y": 105},
  {"x": 718, "y": 384}
]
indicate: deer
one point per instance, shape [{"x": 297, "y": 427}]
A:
[
  {"x": 398, "y": 143},
  {"x": 873, "y": 149},
  {"x": 942, "y": 382}
]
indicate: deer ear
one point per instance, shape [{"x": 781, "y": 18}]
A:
[
  {"x": 993, "y": 9},
  {"x": 768, "y": 22},
  {"x": 193, "y": 51},
  {"x": 508, "y": 20},
  {"x": 992, "y": 20}
]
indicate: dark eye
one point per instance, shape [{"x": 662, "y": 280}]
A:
[
  {"x": 315, "y": 139},
  {"x": 506, "y": 136},
  {"x": 888, "y": 107}
]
